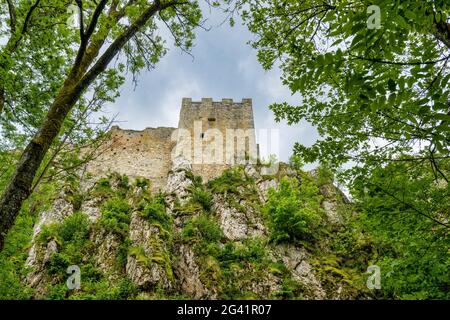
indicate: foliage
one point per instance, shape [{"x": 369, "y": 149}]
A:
[
  {"x": 142, "y": 183},
  {"x": 75, "y": 248},
  {"x": 74, "y": 78},
  {"x": 116, "y": 216},
  {"x": 139, "y": 254},
  {"x": 154, "y": 210},
  {"x": 201, "y": 196},
  {"x": 360, "y": 84},
  {"x": 12, "y": 259},
  {"x": 103, "y": 188},
  {"x": 293, "y": 211},
  {"x": 324, "y": 175},
  {"x": 380, "y": 105},
  {"x": 229, "y": 181},
  {"x": 202, "y": 229},
  {"x": 409, "y": 227}
]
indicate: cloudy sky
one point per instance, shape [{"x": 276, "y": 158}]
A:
[{"x": 223, "y": 66}]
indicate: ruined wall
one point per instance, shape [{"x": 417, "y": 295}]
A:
[
  {"x": 149, "y": 153},
  {"x": 145, "y": 153}
]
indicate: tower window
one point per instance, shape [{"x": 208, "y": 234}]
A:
[
  {"x": 211, "y": 119},
  {"x": 202, "y": 135}
]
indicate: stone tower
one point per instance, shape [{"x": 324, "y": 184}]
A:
[{"x": 220, "y": 133}]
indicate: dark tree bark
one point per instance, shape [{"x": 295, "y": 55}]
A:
[
  {"x": 19, "y": 186},
  {"x": 443, "y": 32}
]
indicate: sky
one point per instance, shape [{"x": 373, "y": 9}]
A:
[{"x": 222, "y": 65}]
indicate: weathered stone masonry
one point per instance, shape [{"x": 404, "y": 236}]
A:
[{"x": 149, "y": 153}]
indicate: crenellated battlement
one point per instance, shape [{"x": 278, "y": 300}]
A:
[{"x": 225, "y": 101}]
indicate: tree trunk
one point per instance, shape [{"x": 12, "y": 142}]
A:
[
  {"x": 2, "y": 100},
  {"x": 19, "y": 187}
]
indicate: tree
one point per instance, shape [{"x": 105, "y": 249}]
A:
[
  {"x": 106, "y": 28},
  {"x": 39, "y": 49},
  {"x": 374, "y": 93},
  {"x": 379, "y": 97},
  {"x": 406, "y": 214}
]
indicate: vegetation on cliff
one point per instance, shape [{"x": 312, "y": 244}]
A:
[{"x": 296, "y": 222}]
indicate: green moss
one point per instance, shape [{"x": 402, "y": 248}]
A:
[
  {"x": 278, "y": 269},
  {"x": 188, "y": 209},
  {"x": 159, "y": 256},
  {"x": 290, "y": 289},
  {"x": 139, "y": 254}
]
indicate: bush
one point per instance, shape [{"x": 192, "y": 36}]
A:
[
  {"x": 202, "y": 197},
  {"x": 73, "y": 228},
  {"x": 142, "y": 183},
  {"x": 154, "y": 209},
  {"x": 103, "y": 188},
  {"x": 229, "y": 181},
  {"x": 252, "y": 250},
  {"x": 293, "y": 211},
  {"x": 203, "y": 229},
  {"x": 324, "y": 175},
  {"x": 116, "y": 216}
]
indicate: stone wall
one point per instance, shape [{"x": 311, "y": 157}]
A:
[{"x": 145, "y": 153}]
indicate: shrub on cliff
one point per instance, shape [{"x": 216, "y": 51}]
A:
[{"x": 293, "y": 211}]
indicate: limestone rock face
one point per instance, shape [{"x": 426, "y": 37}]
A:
[
  {"x": 177, "y": 181},
  {"x": 188, "y": 273},
  {"x": 106, "y": 249},
  {"x": 238, "y": 224},
  {"x": 146, "y": 267},
  {"x": 264, "y": 186},
  {"x": 332, "y": 212},
  {"x": 91, "y": 208},
  {"x": 39, "y": 255},
  {"x": 296, "y": 259},
  {"x": 61, "y": 209}
]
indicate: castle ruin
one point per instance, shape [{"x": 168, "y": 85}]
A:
[{"x": 212, "y": 135}]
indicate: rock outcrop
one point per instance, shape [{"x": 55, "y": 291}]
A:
[{"x": 193, "y": 239}]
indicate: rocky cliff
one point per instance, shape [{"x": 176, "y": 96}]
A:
[{"x": 218, "y": 239}]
